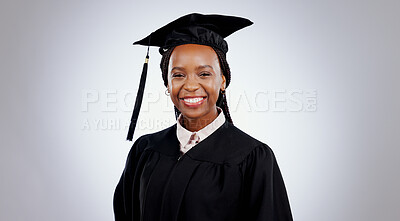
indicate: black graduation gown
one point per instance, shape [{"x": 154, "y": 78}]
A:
[{"x": 227, "y": 176}]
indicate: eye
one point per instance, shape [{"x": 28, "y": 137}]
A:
[
  {"x": 177, "y": 75},
  {"x": 205, "y": 74}
]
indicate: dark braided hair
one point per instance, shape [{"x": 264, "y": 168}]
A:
[{"x": 221, "y": 102}]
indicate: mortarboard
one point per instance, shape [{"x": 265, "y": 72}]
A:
[{"x": 189, "y": 29}]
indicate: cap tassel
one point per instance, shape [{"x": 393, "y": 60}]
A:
[{"x": 139, "y": 98}]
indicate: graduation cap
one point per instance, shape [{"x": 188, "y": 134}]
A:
[{"x": 193, "y": 28}]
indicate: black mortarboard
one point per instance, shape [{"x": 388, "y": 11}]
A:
[{"x": 189, "y": 29}]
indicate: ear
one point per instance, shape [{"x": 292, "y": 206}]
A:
[{"x": 223, "y": 83}]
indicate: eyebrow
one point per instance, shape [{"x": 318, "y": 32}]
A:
[
  {"x": 204, "y": 66},
  {"x": 177, "y": 68},
  {"x": 197, "y": 68}
]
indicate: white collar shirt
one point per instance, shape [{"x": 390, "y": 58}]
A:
[{"x": 188, "y": 139}]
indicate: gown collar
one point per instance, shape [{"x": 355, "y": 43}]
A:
[
  {"x": 213, "y": 148},
  {"x": 225, "y": 144}
]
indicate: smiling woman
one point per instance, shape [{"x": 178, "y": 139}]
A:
[
  {"x": 202, "y": 168},
  {"x": 194, "y": 81}
]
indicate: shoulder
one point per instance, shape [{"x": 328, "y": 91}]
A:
[
  {"x": 246, "y": 147},
  {"x": 250, "y": 155},
  {"x": 159, "y": 141},
  {"x": 236, "y": 136}
]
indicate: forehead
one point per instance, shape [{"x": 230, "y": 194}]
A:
[{"x": 193, "y": 54}]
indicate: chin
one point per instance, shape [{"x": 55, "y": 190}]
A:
[{"x": 193, "y": 113}]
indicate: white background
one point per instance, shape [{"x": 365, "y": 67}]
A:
[{"x": 340, "y": 161}]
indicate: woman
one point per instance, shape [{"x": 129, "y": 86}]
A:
[{"x": 202, "y": 168}]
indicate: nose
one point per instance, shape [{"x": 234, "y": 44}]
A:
[{"x": 191, "y": 83}]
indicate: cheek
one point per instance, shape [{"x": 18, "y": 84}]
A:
[
  {"x": 174, "y": 88},
  {"x": 214, "y": 91}
]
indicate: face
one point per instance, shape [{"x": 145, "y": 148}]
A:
[{"x": 194, "y": 81}]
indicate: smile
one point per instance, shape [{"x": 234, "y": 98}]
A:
[{"x": 193, "y": 101}]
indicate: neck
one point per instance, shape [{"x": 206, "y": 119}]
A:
[{"x": 197, "y": 124}]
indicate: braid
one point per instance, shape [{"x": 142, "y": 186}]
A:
[
  {"x": 177, "y": 112},
  {"x": 164, "y": 64},
  {"x": 221, "y": 102},
  {"x": 224, "y": 65}
]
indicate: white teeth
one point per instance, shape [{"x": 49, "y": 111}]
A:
[{"x": 193, "y": 100}]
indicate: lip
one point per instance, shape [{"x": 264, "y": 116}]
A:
[{"x": 193, "y": 104}]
